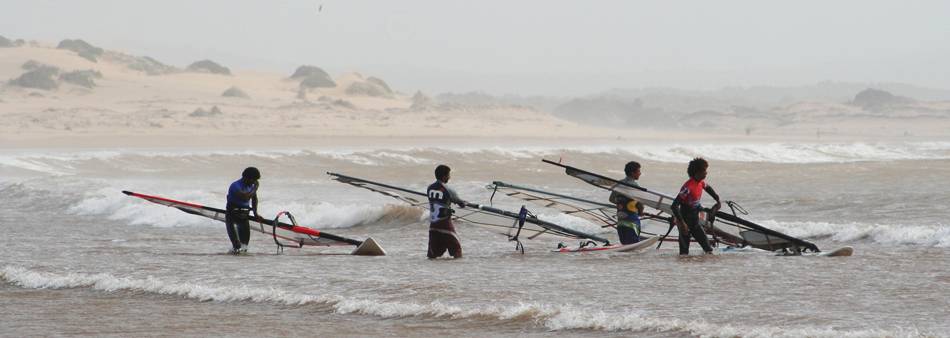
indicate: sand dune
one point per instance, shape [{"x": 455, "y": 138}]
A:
[{"x": 129, "y": 106}]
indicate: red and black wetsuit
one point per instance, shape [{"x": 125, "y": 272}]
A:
[
  {"x": 442, "y": 234},
  {"x": 687, "y": 206}
]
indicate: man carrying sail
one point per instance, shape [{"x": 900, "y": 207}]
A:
[
  {"x": 442, "y": 234},
  {"x": 242, "y": 199},
  {"x": 686, "y": 206},
  {"x": 628, "y": 209}
]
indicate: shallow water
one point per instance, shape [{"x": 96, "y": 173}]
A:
[{"x": 83, "y": 259}]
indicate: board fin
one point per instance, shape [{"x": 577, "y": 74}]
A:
[{"x": 369, "y": 248}]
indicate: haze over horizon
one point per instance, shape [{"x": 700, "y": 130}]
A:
[{"x": 529, "y": 48}]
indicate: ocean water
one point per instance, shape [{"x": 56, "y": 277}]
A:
[{"x": 81, "y": 258}]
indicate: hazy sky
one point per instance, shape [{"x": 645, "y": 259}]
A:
[{"x": 526, "y": 47}]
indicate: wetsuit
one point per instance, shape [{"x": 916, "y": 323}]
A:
[
  {"x": 236, "y": 217},
  {"x": 442, "y": 234},
  {"x": 628, "y": 214},
  {"x": 687, "y": 206}
]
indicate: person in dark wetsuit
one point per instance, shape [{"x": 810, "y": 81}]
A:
[
  {"x": 242, "y": 199},
  {"x": 686, "y": 206},
  {"x": 442, "y": 234},
  {"x": 628, "y": 210}
]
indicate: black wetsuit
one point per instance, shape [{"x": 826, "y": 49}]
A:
[{"x": 238, "y": 214}]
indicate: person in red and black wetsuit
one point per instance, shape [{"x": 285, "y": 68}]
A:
[
  {"x": 686, "y": 206},
  {"x": 442, "y": 234}
]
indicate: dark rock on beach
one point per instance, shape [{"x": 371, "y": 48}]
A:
[{"x": 208, "y": 66}]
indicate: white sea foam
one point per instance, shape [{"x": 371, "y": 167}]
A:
[
  {"x": 60, "y": 162},
  {"x": 404, "y": 158},
  {"x": 550, "y": 316},
  {"x": 795, "y": 152},
  {"x": 327, "y": 215},
  {"x": 937, "y": 235},
  {"x": 117, "y": 206}
]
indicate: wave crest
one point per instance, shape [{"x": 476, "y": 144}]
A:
[{"x": 552, "y": 317}]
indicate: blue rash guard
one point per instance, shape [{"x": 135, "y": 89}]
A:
[{"x": 234, "y": 200}]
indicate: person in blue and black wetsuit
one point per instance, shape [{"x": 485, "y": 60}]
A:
[
  {"x": 442, "y": 234},
  {"x": 242, "y": 200},
  {"x": 628, "y": 210}
]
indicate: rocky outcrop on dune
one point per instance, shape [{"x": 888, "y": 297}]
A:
[
  {"x": 312, "y": 77},
  {"x": 34, "y": 65},
  {"x": 317, "y": 82},
  {"x": 876, "y": 100},
  {"x": 40, "y": 78},
  {"x": 234, "y": 91},
  {"x": 366, "y": 88},
  {"x": 337, "y": 102},
  {"x": 84, "y": 78},
  {"x": 382, "y": 84},
  {"x": 306, "y": 71},
  {"x": 43, "y": 76},
  {"x": 4, "y": 42},
  {"x": 143, "y": 64},
  {"x": 208, "y": 66},
  {"x": 420, "y": 101},
  {"x": 201, "y": 112},
  {"x": 82, "y": 48}
]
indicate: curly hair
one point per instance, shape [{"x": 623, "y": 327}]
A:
[{"x": 696, "y": 165}]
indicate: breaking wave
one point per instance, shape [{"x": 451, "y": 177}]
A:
[
  {"x": 64, "y": 163},
  {"x": 325, "y": 215},
  {"x": 891, "y": 234},
  {"x": 549, "y": 316}
]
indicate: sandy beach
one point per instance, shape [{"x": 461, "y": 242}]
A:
[{"x": 130, "y": 108}]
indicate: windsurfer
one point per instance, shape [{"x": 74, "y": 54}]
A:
[
  {"x": 686, "y": 206},
  {"x": 628, "y": 209},
  {"x": 242, "y": 199},
  {"x": 442, "y": 234}
]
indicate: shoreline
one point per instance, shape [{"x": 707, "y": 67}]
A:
[{"x": 130, "y": 141}]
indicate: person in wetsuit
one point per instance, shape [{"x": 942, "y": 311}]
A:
[
  {"x": 442, "y": 236},
  {"x": 686, "y": 206},
  {"x": 242, "y": 200},
  {"x": 628, "y": 210}
]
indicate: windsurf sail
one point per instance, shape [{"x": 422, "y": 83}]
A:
[
  {"x": 283, "y": 233},
  {"x": 476, "y": 214},
  {"x": 601, "y": 213},
  {"x": 729, "y": 229}
]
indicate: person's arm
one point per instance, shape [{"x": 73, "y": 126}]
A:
[
  {"x": 712, "y": 192},
  {"x": 454, "y": 198},
  {"x": 680, "y": 223},
  {"x": 249, "y": 194},
  {"x": 254, "y": 205},
  {"x": 253, "y": 196},
  {"x": 613, "y": 197},
  {"x": 675, "y": 208}
]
